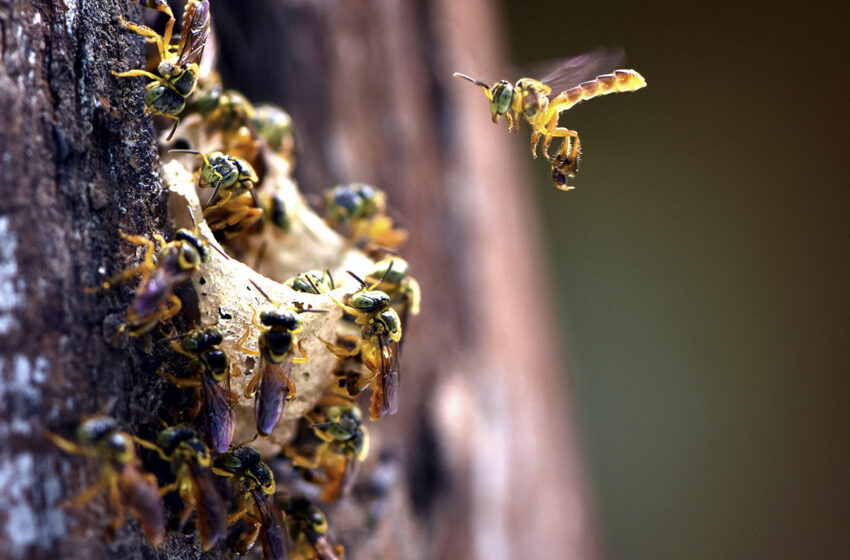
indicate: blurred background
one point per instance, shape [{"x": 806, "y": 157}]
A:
[
  {"x": 698, "y": 266},
  {"x": 701, "y": 271}
]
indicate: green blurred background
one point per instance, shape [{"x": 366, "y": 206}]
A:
[{"x": 701, "y": 269}]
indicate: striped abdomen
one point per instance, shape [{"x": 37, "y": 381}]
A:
[{"x": 617, "y": 81}]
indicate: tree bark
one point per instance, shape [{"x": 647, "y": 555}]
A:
[{"x": 481, "y": 460}]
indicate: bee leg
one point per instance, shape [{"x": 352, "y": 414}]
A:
[
  {"x": 251, "y": 387},
  {"x": 69, "y": 446},
  {"x": 86, "y": 495},
  {"x": 304, "y": 355},
  {"x": 179, "y": 381},
  {"x": 291, "y": 392},
  {"x": 240, "y": 344},
  {"x": 162, "y": 6},
  {"x": 172, "y": 310},
  {"x": 341, "y": 351},
  {"x": 137, "y": 74},
  {"x": 535, "y": 139},
  {"x": 149, "y": 34},
  {"x": 236, "y": 516},
  {"x": 184, "y": 516},
  {"x": 115, "y": 498},
  {"x": 173, "y": 487}
]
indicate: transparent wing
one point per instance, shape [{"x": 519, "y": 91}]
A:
[
  {"x": 196, "y": 31},
  {"x": 563, "y": 74}
]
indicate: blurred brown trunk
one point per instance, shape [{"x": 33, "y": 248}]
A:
[
  {"x": 490, "y": 464},
  {"x": 481, "y": 461}
]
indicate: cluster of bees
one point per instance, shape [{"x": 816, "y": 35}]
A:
[{"x": 199, "y": 451}]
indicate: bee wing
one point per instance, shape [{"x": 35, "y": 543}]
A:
[
  {"x": 212, "y": 512},
  {"x": 196, "y": 31},
  {"x": 276, "y": 545},
  {"x": 563, "y": 74},
  {"x": 385, "y": 392},
  {"x": 219, "y": 414},
  {"x": 352, "y": 468},
  {"x": 141, "y": 493},
  {"x": 271, "y": 395}
]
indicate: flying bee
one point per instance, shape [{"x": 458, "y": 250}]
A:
[
  {"x": 359, "y": 211},
  {"x": 312, "y": 282},
  {"x": 378, "y": 344},
  {"x": 190, "y": 463},
  {"x": 98, "y": 437},
  {"x": 210, "y": 366},
  {"x": 255, "y": 488},
  {"x": 308, "y": 528},
  {"x": 161, "y": 271},
  {"x": 272, "y": 384},
  {"x": 345, "y": 445},
  {"x": 178, "y": 64},
  {"x": 391, "y": 275},
  {"x": 529, "y": 98}
]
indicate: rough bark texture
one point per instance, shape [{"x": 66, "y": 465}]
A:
[{"x": 480, "y": 459}]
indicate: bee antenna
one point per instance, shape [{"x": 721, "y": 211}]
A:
[
  {"x": 387, "y": 273},
  {"x": 333, "y": 285},
  {"x": 173, "y": 130},
  {"x": 244, "y": 443},
  {"x": 312, "y": 284},
  {"x": 215, "y": 192},
  {"x": 473, "y": 80},
  {"x": 181, "y": 151},
  {"x": 220, "y": 252},
  {"x": 261, "y": 291},
  {"x": 360, "y": 280}
]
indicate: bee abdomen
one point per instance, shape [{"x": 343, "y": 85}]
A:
[{"x": 617, "y": 81}]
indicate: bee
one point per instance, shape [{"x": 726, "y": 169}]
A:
[
  {"x": 274, "y": 126},
  {"x": 272, "y": 384},
  {"x": 529, "y": 98},
  {"x": 210, "y": 366},
  {"x": 312, "y": 282},
  {"x": 162, "y": 270},
  {"x": 345, "y": 445},
  {"x": 190, "y": 462},
  {"x": 308, "y": 528},
  {"x": 359, "y": 210},
  {"x": 278, "y": 215},
  {"x": 255, "y": 487},
  {"x": 232, "y": 115},
  {"x": 231, "y": 176},
  {"x": 178, "y": 64},
  {"x": 378, "y": 345},
  {"x": 391, "y": 275},
  {"x": 99, "y": 437}
]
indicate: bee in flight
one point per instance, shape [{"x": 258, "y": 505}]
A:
[
  {"x": 178, "y": 64},
  {"x": 530, "y": 98}
]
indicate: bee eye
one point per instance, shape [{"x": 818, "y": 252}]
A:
[{"x": 189, "y": 257}]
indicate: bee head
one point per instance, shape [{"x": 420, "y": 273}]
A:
[{"x": 501, "y": 96}]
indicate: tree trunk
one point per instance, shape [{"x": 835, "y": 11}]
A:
[{"x": 481, "y": 460}]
